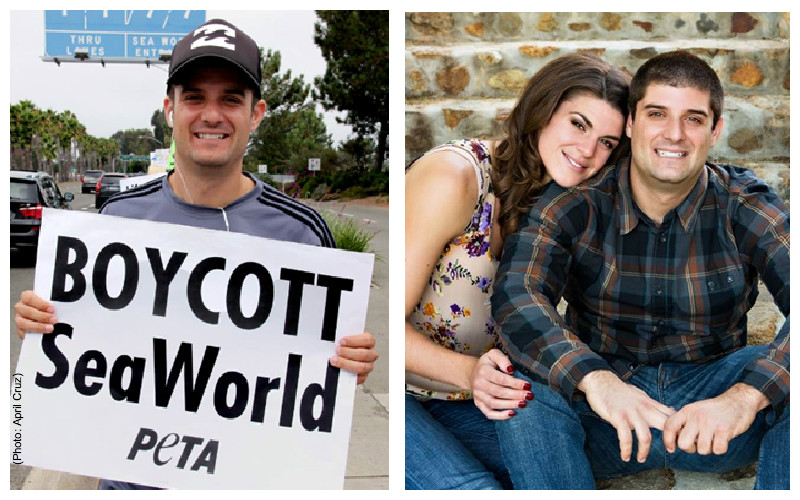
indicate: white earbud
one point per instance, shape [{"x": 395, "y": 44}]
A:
[{"x": 169, "y": 119}]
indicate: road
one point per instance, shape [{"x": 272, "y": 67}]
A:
[{"x": 368, "y": 457}]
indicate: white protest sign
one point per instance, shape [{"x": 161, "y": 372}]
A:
[
  {"x": 137, "y": 180},
  {"x": 188, "y": 358}
]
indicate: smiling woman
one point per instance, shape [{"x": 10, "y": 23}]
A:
[
  {"x": 462, "y": 199},
  {"x": 581, "y": 134}
]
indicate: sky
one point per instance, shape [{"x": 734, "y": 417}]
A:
[{"x": 123, "y": 96}]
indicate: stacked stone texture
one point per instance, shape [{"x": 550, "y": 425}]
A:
[{"x": 464, "y": 71}]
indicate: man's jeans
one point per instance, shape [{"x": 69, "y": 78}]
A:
[
  {"x": 553, "y": 444},
  {"x": 451, "y": 445}
]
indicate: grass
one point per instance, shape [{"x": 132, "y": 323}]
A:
[{"x": 349, "y": 234}]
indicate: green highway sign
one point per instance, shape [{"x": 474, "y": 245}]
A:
[{"x": 134, "y": 157}]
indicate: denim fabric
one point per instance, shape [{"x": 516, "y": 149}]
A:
[
  {"x": 451, "y": 445},
  {"x": 553, "y": 444}
]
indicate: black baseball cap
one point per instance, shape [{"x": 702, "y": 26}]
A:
[{"x": 220, "y": 39}]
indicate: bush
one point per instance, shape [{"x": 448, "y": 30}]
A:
[
  {"x": 310, "y": 184},
  {"x": 357, "y": 192},
  {"x": 348, "y": 234},
  {"x": 342, "y": 183}
]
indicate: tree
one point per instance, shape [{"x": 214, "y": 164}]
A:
[
  {"x": 360, "y": 149},
  {"x": 291, "y": 130},
  {"x": 105, "y": 149},
  {"x": 356, "y": 46},
  {"x": 54, "y": 134},
  {"x": 134, "y": 141},
  {"x": 161, "y": 129},
  {"x": 24, "y": 123},
  {"x": 54, "y": 130}
]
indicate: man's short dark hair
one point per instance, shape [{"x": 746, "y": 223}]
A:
[{"x": 677, "y": 69}]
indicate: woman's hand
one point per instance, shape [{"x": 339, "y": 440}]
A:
[{"x": 496, "y": 393}]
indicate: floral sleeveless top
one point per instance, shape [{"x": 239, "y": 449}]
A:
[{"x": 454, "y": 310}]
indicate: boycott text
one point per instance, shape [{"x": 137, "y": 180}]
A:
[{"x": 164, "y": 275}]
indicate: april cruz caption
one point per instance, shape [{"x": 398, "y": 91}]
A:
[{"x": 16, "y": 423}]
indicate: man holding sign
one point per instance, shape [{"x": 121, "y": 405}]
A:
[{"x": 213, "y": 103}]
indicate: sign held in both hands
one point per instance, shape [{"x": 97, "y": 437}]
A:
[{"x": 188, "y": 358}]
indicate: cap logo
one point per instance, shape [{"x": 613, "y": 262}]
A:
[{"x": 214, "y": 35}]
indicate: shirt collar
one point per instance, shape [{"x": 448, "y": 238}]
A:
[
  {"x": 254, "y": 192},
  {"x": 690, "y": 207},
  {"x": 628, "y": 212},
  {"x": 628, "y": 218}
]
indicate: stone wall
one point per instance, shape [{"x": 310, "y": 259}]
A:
[{"x": 463, "y": 71}]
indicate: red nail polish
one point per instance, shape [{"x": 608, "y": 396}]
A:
[
  {"x": 510, "y": 369},
  {"x": 522, "y": 404},
  {"x": 512, "y": 413},
  {"x": 527, "y": 386},
  {"x": 529, "y": 396}
]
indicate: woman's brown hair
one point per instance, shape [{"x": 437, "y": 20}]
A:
[{"x": 518, "y": 174}]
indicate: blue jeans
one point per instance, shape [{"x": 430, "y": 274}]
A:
[
  {"x": 553, "y": 444},
  {"x": 451, "y": 445}
]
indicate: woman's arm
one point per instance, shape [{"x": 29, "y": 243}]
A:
[{"x": 441, "y": 193}]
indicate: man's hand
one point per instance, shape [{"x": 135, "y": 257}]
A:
[
  {"x": 626, "y": 408},
  {"x": 356, "y": 354},
  {"x": 494, "y": 391},
  {"x": 708, "y": 426},
  {"x": 33, "y": 314}
]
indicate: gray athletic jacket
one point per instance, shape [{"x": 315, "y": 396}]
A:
[{"x": 264, "y": 211}]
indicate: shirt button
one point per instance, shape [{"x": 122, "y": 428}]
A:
[
  {"x": 712, "y": 285},
  {"x": 663, "y": 238}
]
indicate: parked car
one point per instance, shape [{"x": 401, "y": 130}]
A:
[
  {"x": 30, "y": 193},
  {"x": 106, "y": 187},
  {"x": 89, "y": 180}
]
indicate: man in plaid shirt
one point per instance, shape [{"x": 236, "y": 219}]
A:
[{"x": 659, "y": 258}]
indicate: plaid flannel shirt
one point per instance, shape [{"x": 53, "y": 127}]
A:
[{"x": 641, "y": 293}]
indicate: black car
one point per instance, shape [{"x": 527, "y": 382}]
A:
[
  {"x": 30, "y": 193},
  {"x": 89, "y": 180},
  {"x": 107, "y": 186}
]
